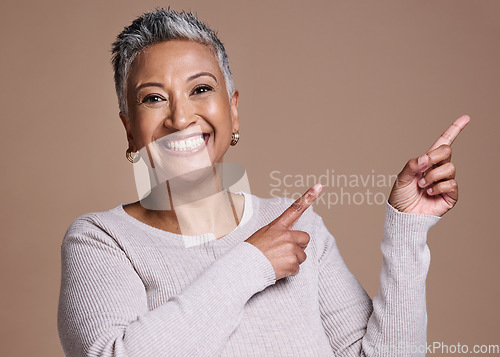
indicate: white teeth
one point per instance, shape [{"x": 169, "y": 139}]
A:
[{"x": 188, "y": 144}]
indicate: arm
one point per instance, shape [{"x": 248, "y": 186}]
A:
[
  {"x": 397, "y": 319},
  {"x": 103, "y": 304}
]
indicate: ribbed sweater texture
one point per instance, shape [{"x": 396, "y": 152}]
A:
[{"x": 129, "y": 289}]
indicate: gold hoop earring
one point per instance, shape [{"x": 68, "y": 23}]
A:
[
  {"x": 235, "y": 137},
  {"x": 133, "y": 157}
]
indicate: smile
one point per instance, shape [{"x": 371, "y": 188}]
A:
[{"x": 188, "y": 145}]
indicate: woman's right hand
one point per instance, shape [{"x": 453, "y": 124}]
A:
[{"x": 283, "y": 246}]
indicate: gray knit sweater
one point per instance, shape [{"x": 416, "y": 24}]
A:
[{"x": 129, "y": 289}]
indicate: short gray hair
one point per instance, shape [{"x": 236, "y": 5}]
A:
[{"x": 158, "y": 26}]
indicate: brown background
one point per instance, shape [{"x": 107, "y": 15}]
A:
[{"x": 352, "y": 86}]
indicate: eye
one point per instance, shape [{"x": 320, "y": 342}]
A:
[
  {"x": 202, "y": 89},
  {"x": 153, "y": 98}
]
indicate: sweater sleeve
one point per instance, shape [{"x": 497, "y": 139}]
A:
[
  {"x": 395, "y": 322},
  {"x": 103, "y": 303}
]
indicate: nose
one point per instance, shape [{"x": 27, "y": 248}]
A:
[{"x": 180, "y": 116}]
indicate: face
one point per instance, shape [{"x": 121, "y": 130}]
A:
[{"x": 177, "y": 101}]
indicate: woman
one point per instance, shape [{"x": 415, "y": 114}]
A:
[{"x": 196, "y": 269}]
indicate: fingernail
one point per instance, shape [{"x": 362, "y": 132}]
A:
[
  {"x": 317, "y": 188},
  {"x": 429, "y": 191},
  {"x": 421, "y": 183},
  {"x": 421, "y": 160}
]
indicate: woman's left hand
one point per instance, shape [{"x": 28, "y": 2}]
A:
[{"x": 427, "y": 185}]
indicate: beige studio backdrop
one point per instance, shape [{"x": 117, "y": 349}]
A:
[{"x": 353, "y": 88}]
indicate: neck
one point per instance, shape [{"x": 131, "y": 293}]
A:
[{"x": 199, "y": 203}]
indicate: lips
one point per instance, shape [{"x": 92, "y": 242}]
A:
[{"x": 183, "y": 146}]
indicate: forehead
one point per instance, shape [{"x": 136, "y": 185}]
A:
[{"x": 173, "y": 58}]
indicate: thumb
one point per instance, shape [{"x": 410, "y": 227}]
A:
[{"x": 413, "y": 168}]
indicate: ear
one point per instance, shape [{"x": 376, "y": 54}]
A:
[
  {"x": 234, "y": 110},
  {"x": 130, "y": 138}
]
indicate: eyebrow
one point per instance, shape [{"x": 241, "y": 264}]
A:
[
  {"x": 148, "y": 84},
  {"x": 197, "y": 75}
]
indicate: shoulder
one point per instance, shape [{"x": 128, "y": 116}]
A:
[
  {"x": 93, "y": 227},
  {"x": 95, "y": 220}
]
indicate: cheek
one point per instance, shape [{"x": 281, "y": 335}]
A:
[
  {"x": 219, "y": 115},
  {"x": 143, "y": 131}
]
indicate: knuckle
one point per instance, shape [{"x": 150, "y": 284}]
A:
[
  {"x": 309, "y": 196},
  {"x": 292, "y": 260},
  {"x": 285, "y": 234},
  {"x": 446, "y": 134},
  {"x": 429, "y": 176},
  {"x": 446, "y": 149},
  {"x": 297, "y": 205},
  {"x": 289, "y": 246},
  {"x": 412, "y": 164},
  {"x": 452, "y": 169}
]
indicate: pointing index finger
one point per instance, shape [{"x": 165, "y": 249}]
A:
[
  {"x": 293, "y": 213},
  {"x": 450, "y": 134}
]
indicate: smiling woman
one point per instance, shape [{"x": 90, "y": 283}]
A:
[
  {"x": 175, "y": 85},
  {"x": 196, "y": 269}
]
